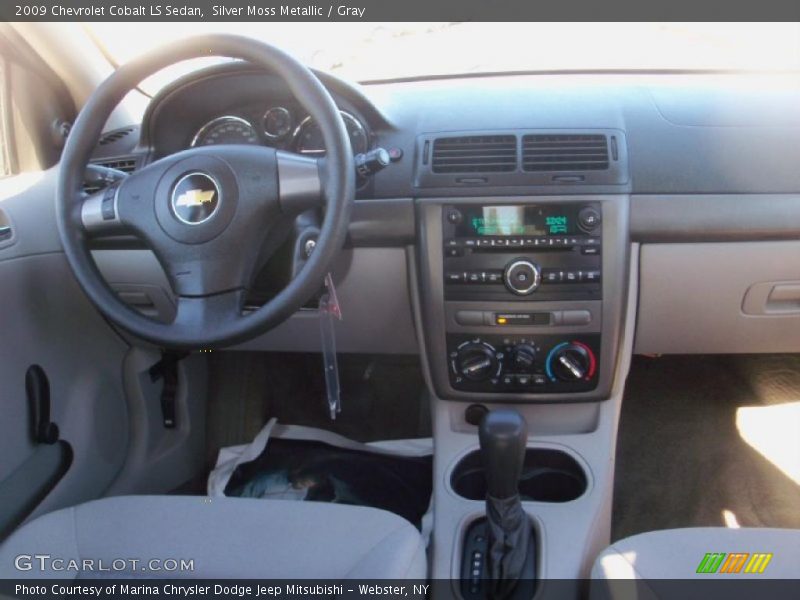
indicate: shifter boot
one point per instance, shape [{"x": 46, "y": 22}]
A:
[{"x": 510, "y": 537}]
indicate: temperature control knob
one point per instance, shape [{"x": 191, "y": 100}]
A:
[
  {"x": 476, "y": 361},
  {"x": 522, "y": 276},
  {"x": 571, "y": 361},
  {"x": 523, "y": 358}
]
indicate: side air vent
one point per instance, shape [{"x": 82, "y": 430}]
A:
[
  {"x": 475, "y": 154},
  {"x": 115, "y": 136},
  {"x": 128, "y": 165},
  {"x": 121, "y": 164},
  {"x": 564, "y": 152}
]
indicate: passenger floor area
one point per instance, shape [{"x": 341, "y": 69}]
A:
[
  {"x": 382, "y": 397},
  {"x": 709, "y": 441},
  {"x": 365, "y": 475},
  {"x": 308, "y": 456}
]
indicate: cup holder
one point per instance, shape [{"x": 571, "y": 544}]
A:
[{"x": 547, "y": 476}]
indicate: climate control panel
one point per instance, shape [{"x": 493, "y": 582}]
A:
[{"x": 523, "y": 364}]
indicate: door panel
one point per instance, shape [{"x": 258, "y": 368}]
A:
[{"x": 46, "y": 319}]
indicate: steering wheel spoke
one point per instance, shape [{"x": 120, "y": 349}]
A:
[
  {"x": 299, "y": 182},
  {"x": 99, "y": 214},
  {"x": 206, "y": 315}
]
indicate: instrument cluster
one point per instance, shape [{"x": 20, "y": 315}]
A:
[{"x": 279, "y": 126}]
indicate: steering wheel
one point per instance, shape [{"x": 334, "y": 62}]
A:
[{"x": 206, "y": 212}]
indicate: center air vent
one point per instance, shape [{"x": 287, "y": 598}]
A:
[
  {"x": 475, "y": 154},
  {"x": 564, "y": 152},
  {"x": 551, "y": 159}
]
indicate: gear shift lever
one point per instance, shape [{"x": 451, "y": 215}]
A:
[{"x": 503, "y": 435}]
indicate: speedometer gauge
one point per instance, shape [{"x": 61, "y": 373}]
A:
[
  {"x": 308, "y": 136},
  {"x": 226, "y": 130}
]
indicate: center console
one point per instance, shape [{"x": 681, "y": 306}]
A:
[
  {"x": 522, "y": 296},
  {"x": 525, "y": 305}
]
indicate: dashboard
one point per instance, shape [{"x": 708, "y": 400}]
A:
[{"x": 502, "y": 238}]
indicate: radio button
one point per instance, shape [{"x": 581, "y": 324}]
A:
[
  {"x": 494, "y": 277},
  {"x": 591, "y": 276},
  {"x": 551, "y": 276},
  {"x": 576, "y": 317},
  {"x": 469, "y": 317},
  {"x": 470, "y": 242}
]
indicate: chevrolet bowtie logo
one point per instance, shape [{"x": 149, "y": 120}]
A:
[{"x": 195, "y": 198}]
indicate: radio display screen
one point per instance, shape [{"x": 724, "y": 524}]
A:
[{"x": 496, "y": 220}]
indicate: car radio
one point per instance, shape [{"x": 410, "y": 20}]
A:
[{"x": 522, "y": 252}]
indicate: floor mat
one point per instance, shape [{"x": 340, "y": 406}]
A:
[
  {"x": 318, "y": 472},
  {"x": 684, "y": 460},
  {"x": 382, "y": 396}
]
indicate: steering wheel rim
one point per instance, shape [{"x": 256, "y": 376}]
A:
[{"x": 202, "y": 320}]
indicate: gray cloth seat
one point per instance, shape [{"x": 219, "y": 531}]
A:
[
  {"x": 677, "y": 554},
  {"x": 224, "y": 537}
]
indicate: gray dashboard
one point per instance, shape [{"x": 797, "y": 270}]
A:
[
  {"x": 685, "y": 134},
  {"x": 706, "y": 158}
]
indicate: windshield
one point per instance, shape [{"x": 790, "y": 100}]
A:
[{"x": 380, "y": 51}]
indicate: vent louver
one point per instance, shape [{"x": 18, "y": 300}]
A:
[
  {"x": 128, "y": 165},
  {"x": 114, "y": 136},
  {"x": 123, "y": 164},
  {"x": 475, "y": 154},
  {"x": 564, "y": 152}
]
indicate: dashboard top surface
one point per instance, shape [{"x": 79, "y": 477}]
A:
[{"x": 684, "y": 134}]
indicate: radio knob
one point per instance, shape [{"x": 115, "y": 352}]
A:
[
  {"x": 476, "y": 361},
  {"x": 588, "y": 218},
  {"x": 523, "y": 277},
  {"x": 523, "y": 358}
]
